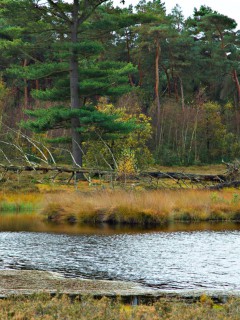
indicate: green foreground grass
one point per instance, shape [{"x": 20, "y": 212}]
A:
[
  {"x": 42, "y": 306},
  {"x": 19, "y": 202}
]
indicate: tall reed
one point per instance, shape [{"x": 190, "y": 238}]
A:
[{"x": 145, "y": 207}]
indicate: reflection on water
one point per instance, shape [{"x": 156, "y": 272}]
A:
[
  {"x": 33, "y": 222},
  {"x": 177, "y": 257}
]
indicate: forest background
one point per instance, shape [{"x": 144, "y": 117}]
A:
[{"x": 150, "y": 87}]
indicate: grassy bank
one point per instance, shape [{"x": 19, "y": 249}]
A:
[
  {"x": 19, "y": 202},
  {"x": 44, "y": 307},
  {"x": 127, "y": 207},
  {"x": 143, "y": 207}
]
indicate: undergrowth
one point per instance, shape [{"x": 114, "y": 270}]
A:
[{"x": 42, "y": 306}]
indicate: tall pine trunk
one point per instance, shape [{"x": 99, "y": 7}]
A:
[
  {"x": 130, "y": 77},
  {"x": 74, "y": 89},
  {"x": 25, "y": 87},
  {"x": 236, "y": 81},
  {"x": 157, "y": 81}
]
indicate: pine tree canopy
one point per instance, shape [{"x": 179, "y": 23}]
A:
[{"x": 92, "y": 122}]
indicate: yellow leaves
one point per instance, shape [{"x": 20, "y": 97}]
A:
[
  {"x": 127, "y": 163},
  {"x": 104, "y": 106},
  {"x": 102, "y": 152},
  {"x": 229, "y": 106}
]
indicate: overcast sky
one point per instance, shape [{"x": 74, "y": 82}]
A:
[{"x": 230, "y": 8}]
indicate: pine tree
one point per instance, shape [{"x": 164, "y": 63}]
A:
[
  {"x": 79, "y": 72},
  {"x": 215, "y": 39},
  {"x": 23, "y": 41}
]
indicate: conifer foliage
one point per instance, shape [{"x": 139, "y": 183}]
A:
[
  {"x": 78, "y": 72},
  {"x": 60, "y": 58}
]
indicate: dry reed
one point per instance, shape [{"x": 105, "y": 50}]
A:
[{"x": 143, "y": 207}]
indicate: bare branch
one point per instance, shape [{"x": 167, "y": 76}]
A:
[
  {"x": 21, "y": 151},
  {"x": 109, "y": 149},
  {"x": 108, "y": 164},
  {"x": 34, "y": 143},
  {"x": 5, "y": 156},
  {"x": 79, "y": 146}
]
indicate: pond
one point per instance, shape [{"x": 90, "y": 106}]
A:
[{"x": 184, "y": 257}]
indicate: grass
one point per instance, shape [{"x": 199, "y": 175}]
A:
[
  {"x": 19, "y": 202},
  {"x": 143, "y": 207},
  {"x": 42, "y": 306},
  {"x": 197, "y": 169},
  {"x": 91, "y": 204}
]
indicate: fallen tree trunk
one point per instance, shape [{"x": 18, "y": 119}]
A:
[
  {"x": 185, "y": 176},
  {"x": 155, "y": 174},
  {"x": 46, "y": 169},
  {"x": 220, "y": 180},
  {"x": 231, "y": 184}
]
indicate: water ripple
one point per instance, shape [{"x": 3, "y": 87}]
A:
[{"x": 176, "y": 260}]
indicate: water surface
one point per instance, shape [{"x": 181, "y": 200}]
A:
[{"x": 163, "y": 259}]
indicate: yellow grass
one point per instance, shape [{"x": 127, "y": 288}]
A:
[
  {"x": 15, "y": 202},
  {"x": 144, "y": 207},
  {"x": 21, "y": 197},
  {"x": 206, "y": 169}
]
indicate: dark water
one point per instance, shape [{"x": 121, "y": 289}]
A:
[{"x": 167, "y": 259}]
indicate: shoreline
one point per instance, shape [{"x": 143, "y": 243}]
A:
[
  {"x": 132, "y": 208},
  {"x": 30, "y": 282},
  {"x": 143, "y": 208}
]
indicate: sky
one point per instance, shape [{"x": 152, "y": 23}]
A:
[{"x": 230, "y": 8}]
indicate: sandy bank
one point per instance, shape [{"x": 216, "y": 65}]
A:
[
  {"x": 26, "y": 282},
  {"x": 14, "y": 282}
]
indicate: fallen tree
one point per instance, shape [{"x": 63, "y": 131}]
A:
[
  {"x": 177, "y": 177},
  {"x": 21, "y": 153},
  {"x": 231, "y": 184},
  {"x": 185, "y": 176}
]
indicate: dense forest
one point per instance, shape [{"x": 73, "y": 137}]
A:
[{"x": 111, "y": 87}]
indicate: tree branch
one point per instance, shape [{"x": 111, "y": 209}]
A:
[{"x": 59, "y": 13}]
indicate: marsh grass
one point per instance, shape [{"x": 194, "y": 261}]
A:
[
  {"x": 42, "y": 306},
  {"x": 19, "y": 202},
  {"x": 16, "y": 207},
  {"x": 144, "y": 207}
]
